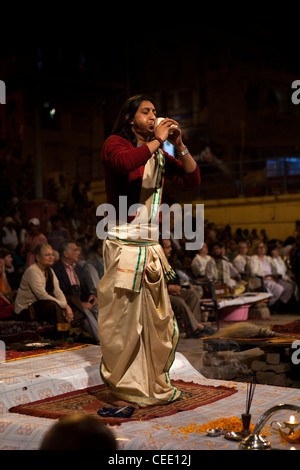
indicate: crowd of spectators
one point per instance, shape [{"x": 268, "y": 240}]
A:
[
  {"x": 248, "y": 261},
  {"x": 69, "y": 254},
  {"x": 49, "y": 269}
]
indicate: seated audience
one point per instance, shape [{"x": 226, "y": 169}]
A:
[
  {"x": 199, "y": 262},
  {"x": 95, "y": 264},
  {"x": 241, "y": 261},
  {"x": 32, "y": 239},
  {"x": 39, "y": 296},
  {"x": 74, "y": 284},
  {"x": 286, "y": 247},
  {"x": 9, "y": 236},
  {"x": 5, "y": 288},
  {"x": 185, "y": 302},
  {"x": 261, "y": 269},
  {"x": 13, "y": 275},
  {"x": 58, "y": 233},
  {"x": 232, "y": 250},
  {"x": 290, "y": 286},
  {"x": 6, "y": 293},
  {"x": 234, "y": 274},
  {"x": 219, "y": 269}
]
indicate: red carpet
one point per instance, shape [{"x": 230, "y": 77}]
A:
[
  {"x": 292, "y": 328},
  {"x": 12, "y": 331},
  {"x": 14, "y": 355},
  {"x": 88, "y": 401}
]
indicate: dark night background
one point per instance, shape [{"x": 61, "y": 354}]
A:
[{"x": 92, "y": 52}]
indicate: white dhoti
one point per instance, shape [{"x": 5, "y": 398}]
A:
[{"x": 138, "y": 331}]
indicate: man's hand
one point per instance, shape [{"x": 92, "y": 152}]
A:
[
  {"x": 174, "y": 289},
  {"x": 165, "y": 131},
  {"x": 91, "y": 302},
  {"x": 69, "y": 315}
]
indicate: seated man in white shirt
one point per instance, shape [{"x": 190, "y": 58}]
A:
[
  {"x": 74, "y": 284},
  {"x": 219, "y": 269},
  {"x": 199, "y": 262}
]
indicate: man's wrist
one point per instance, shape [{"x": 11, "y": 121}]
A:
[
  {"x": 159, "y": 140},
  {"x": 182, "y": 150}
]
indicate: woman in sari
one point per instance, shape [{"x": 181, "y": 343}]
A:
[
  {"x": 137, "y": 328},
  {"x": 39, "y": 296}
]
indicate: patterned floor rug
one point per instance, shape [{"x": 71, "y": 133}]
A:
[
  {"x": 88, "y": 401},
  {"x": 39, "y": 349},
  {"x": 12, "y": 331}
]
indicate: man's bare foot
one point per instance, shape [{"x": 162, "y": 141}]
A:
[{"x": 117, "y": 402}]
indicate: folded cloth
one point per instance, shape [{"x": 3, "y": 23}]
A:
[{"x": 124, "y": 412}]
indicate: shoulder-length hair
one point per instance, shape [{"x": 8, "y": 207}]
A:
[{"x": 122, "y": 126}]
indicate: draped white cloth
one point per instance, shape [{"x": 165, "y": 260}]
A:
[{"x": 137, "y": 328}]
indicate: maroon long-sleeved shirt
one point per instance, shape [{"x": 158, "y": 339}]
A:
[{"x": 124, "y": 168}]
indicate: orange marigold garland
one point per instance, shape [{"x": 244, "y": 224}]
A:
[{"x": 230, "y": 424}]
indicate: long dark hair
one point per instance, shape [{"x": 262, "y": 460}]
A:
[{"x": 122, "y": 125}]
